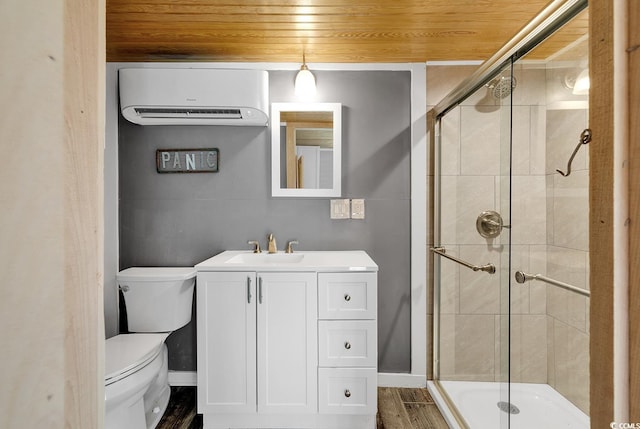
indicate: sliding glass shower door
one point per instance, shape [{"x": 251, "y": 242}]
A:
[
  {"x": 550, "y": 240},
  {"x": 511, "y": 250},
  {"x": 472, "y": 252}
]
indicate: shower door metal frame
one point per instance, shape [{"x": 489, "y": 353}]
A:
[{"x": 549, "y": 20}]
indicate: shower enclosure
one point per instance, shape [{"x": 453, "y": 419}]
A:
[{"x": 511, "y": 293}]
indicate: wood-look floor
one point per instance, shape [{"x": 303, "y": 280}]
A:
[
  {"x": 408, "y": 408},
  {"x": 181, "y": 411},
  {"x": 398, "y": 408}
]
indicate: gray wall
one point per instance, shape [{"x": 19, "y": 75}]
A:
[{"x": 182, "y": 219}]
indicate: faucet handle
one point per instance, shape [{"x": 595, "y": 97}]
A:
[
  {"x": 272, "y": 247},
  {"x": 289, "y": 244},
  {"x": 256, "y": 249}
]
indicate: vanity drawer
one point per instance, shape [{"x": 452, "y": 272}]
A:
[
  {"x": 347, "y": 295},
  {"x": 349, "y": 343},
  {"x": 347, "y": 390}
]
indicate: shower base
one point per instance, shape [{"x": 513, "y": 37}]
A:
[{"x": 531, "y": 406}]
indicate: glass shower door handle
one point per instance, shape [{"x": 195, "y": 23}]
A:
[
  {"x": 522, "y": 277},
  {"x": 487, "y": 268}
]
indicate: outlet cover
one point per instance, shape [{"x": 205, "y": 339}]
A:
[
  {"x": 357, "y": 209},
  {"x": 340, "y": 209}
]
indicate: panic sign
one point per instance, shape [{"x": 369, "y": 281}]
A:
[{"x": 187, "y": 160}]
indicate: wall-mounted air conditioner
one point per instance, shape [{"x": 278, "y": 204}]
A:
[{"x": 180, "y": 96}]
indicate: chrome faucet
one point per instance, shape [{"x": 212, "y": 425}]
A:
[{"x": 272, "y": 244}]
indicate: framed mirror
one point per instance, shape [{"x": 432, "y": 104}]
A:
[{"x": 306, "y": 149}]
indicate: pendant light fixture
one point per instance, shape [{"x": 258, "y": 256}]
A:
[{"x": 305, "y": 85}]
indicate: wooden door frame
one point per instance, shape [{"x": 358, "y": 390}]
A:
[
  {"x": 83, "y": 107},
  {"x": 633, "y": 50},
  {"x": 53, "y": 103},
  {"x": 614, "y": 235}
]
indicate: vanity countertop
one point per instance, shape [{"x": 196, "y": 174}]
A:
[{"x": 341, "y": 260}]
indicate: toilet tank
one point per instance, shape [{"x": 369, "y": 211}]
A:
[{"x": 158, "y": 299}]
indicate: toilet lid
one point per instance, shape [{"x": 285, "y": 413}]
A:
[
  {"x": 154, "y": 274},
  {"x": 128, "y": 353}
]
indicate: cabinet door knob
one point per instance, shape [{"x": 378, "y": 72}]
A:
[
  {"x": 347, "y": 345},
  {"x": 347, "y": 394},
  {"x": 347, "y": 297}
]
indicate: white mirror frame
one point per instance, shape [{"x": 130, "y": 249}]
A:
[{"x": 276, "y": 190}]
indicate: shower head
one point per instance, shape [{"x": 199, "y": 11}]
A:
[{"x": 502, "y": 86}]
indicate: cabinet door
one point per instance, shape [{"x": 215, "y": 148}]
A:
[
  {"x": 226, "y": 317},
  {"x": 287, "y": 343}
]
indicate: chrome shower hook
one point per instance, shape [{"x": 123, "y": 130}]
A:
[{"x": 585, "y": 137}]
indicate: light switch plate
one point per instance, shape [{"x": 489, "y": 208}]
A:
[
  {"x": 340, "y": 209},
  {"x": 357, "y": 209}
]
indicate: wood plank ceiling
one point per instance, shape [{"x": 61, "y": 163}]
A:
[{"x": 336, "y": 31}]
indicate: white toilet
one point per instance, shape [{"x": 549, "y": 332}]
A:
[{"x": 158, "y": 301}]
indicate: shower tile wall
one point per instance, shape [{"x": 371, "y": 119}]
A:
[
  {"x": 473, "y": 307},
  {"x": 440, "y": 81},
  {"x": 568, "y": 257},
  {"x": 549, "y": 327}
]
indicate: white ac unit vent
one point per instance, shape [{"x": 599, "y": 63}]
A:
[{"x": 188, "y": 113}]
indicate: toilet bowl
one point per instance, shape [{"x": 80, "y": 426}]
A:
[
  {"x": 132, "y": 363},
  {"x": 136, "y": 370}
]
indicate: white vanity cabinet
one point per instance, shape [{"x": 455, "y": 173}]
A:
[
  {"x": 257, "y": 342},
  {"x": 287, "y": 341}
]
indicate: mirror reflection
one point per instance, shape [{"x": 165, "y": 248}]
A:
[
  {"x": 307, "y": 145},
  {"x": 306, "y": 149}
]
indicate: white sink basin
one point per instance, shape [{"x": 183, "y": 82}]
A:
[{"x": 266, "y": 258}]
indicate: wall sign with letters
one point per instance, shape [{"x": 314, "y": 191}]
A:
[{"x": 187, "y": 160}]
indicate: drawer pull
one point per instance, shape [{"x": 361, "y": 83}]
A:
[
  {"x": 347, "y": 394},
  {"x": 347, "y": 345},
  {"x": 347, "y": 297}
]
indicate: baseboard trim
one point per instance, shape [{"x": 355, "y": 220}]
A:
[
  {"x": 183, "y": 378},
  {"x": 386, "y": 379},
  {"x": 189, "y": 378}
]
